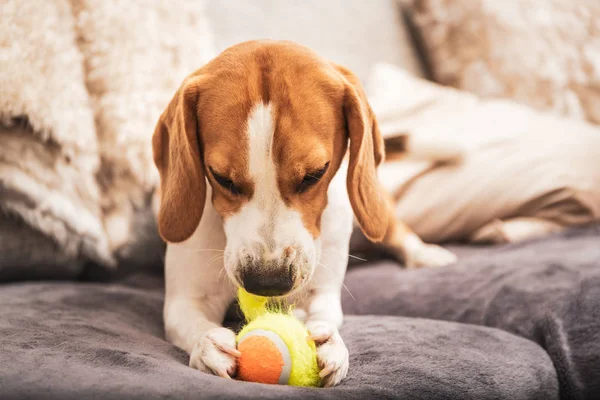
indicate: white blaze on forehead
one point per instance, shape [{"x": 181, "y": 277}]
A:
[
  {"x": 262, "y": 168},
  {"x": 258, "y": 219}
]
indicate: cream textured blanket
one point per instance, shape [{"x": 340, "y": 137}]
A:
[
  {"x": 82, "y": 84},
  {"x": 524, "y": 172}
]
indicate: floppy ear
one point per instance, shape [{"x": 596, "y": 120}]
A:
[
  {"x": 367, "y": 151},
  {"x": 176, "y": 149}
]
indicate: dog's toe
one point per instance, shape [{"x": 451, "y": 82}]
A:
[
  {"x": 216, "y": 353},
  {"x": 332, "y": 354}
]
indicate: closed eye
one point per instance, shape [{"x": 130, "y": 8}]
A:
[
  {"x": 226, "y": 183},
  {"x": 312, "y": 178}
]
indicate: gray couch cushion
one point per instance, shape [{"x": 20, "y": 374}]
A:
[
  {"x": 73, "y": 341},
  {"x": 546, "y": 290},
  {"x": 28, "y": 254}
]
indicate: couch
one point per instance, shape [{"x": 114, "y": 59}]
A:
[{"x": 82, "y": 286}]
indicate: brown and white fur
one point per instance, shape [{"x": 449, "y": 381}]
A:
[{"x": 256, "y": 191}]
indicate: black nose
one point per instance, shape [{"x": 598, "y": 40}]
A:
[{"x": 270, "y": 282}]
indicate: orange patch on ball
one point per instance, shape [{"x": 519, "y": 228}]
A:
[{"x": 261, "y": 361}]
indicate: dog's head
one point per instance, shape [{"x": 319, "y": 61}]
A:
[{"x": 267, "y": 125}]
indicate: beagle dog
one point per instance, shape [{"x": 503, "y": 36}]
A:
[{"x": 256, "y": 191}]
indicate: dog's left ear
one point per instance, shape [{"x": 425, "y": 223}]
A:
[
  {"x": 176, "y": 150},
  {"x": 367, "y": 151}
]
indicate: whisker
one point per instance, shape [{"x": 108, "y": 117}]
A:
[
  {"x": 215, "y": 258},
  {"x": 343, "y": 285},
  {"x": 348, "y": 290},
  {"x": 222, "y": 273},
  {"x": 201, "y": 250},
  {"x": 356, "y": 257},
  {"x": 344, "y": 254}
]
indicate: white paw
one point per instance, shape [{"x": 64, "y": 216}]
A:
[
  {"x": 216, "y": 353},
  {"x": 332, "y": 354},
  {"x": 429, "y": 255}
]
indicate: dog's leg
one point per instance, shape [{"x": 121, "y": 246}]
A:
[
  {"x": 196, "y": 328},
  {"x": 400, "y": 241},
  {"x": 197, "y": 296},
  {"x": 514, "y": 230},
  {"x": 405, "y": 245},
  {"x": 324, "y": 317},
  {"x": 324, "y": 306}
]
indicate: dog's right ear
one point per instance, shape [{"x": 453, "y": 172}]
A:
[
  {"x": 369, "y": 202},
  {"x": 177, "y": 155}
]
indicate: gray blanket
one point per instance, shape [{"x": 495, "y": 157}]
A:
[
  {"x": 512, "y": 322},
  {"x": 547, "y": 291}
]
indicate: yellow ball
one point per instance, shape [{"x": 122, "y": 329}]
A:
[{"x": 275, "y": 346}]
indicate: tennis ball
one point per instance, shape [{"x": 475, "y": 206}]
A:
[{"x": 275, "y": 346}]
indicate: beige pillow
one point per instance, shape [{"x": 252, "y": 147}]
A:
[
  {"x": 519, "y": 162},
  {"x": 354, "y": 33},
  {"x": 544, "y": 53}
]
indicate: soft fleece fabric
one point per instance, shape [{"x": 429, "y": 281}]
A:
[
  {"x": 511, "y": 322},
  {"x": 83, "y": 84}
]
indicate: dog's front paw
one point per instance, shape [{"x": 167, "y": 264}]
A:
[
  {"x": 216, "y": 353},
  {"x": 429, "y": 255},
  {"x": 332, "y": 354}
]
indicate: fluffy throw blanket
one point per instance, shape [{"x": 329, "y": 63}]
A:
[{"x": 82, "y": 84}]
